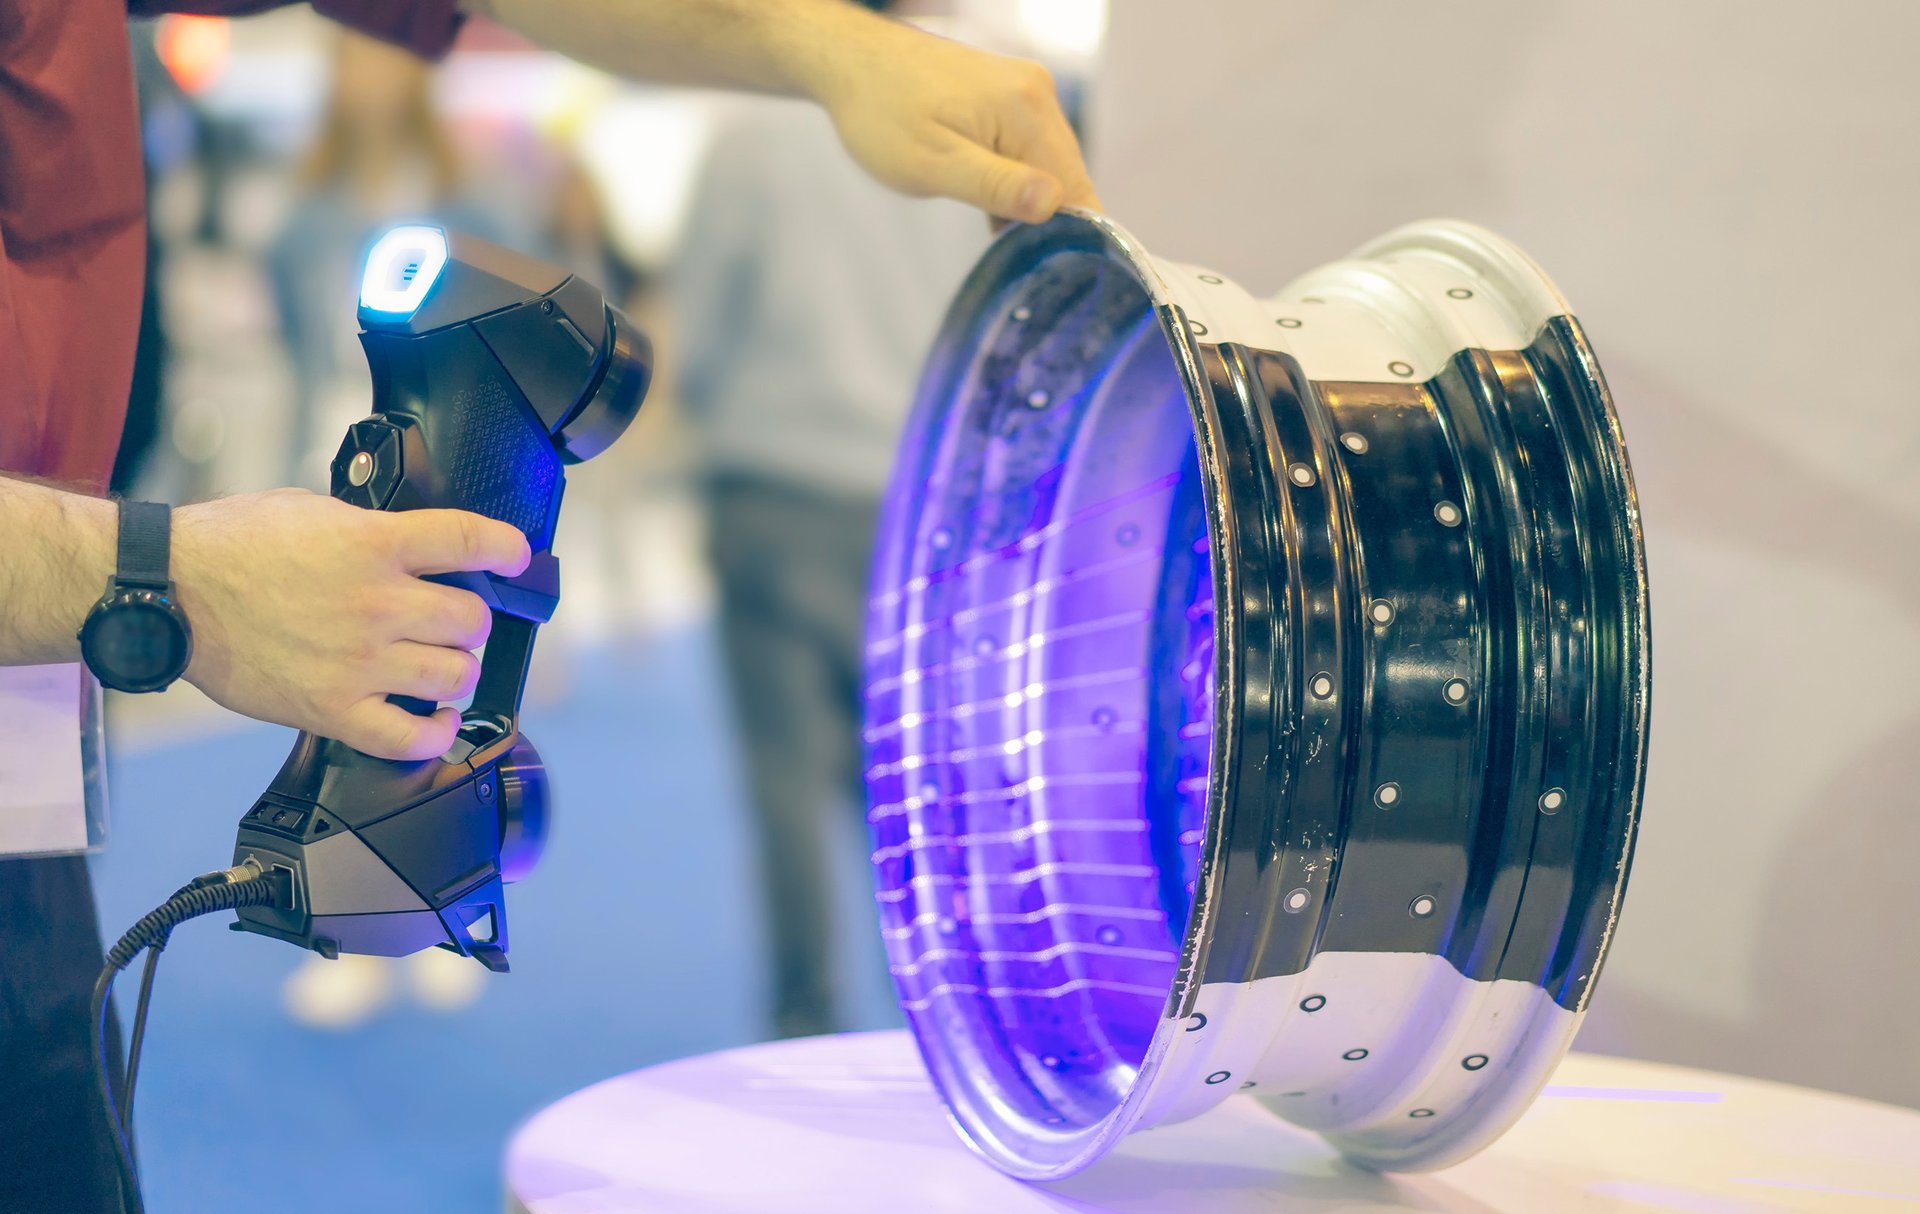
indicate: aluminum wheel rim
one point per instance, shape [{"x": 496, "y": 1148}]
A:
[{"x": 1316, "y": 627}]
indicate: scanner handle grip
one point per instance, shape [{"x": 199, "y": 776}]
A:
[{"x": 503, "y": 672}]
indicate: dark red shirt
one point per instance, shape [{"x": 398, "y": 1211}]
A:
[{"x": 73, "y": 213}]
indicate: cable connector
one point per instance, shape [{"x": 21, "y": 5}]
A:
[
  {"x": 278, "y": 879},
  {"x": 248, "y": 883}
]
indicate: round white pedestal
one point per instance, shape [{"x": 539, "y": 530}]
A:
[{"x": 850, "y": 1124}]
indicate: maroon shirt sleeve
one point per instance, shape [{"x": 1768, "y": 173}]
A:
[
  {"x": 72, "y": 237},
  {"x": 425, "y": 27},
  {"x": 72, "y": 216}
]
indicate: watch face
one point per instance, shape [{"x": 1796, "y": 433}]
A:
[{"x": 136, "y": 644}]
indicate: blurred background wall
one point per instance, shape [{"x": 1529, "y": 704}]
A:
[{"x": 1725, "y": 192}]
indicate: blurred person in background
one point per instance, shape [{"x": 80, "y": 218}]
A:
[
  {"x": 305, "y": 611},
  {"x": 806, "y": 297},
  {"x": 383, "y": 152},
  {"x": 579, "y": 235}
]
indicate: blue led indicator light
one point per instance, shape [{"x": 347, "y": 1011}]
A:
[{"x": 402, "y": 268}]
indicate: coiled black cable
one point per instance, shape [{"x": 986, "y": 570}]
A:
[{"x": 243, "y": 885}]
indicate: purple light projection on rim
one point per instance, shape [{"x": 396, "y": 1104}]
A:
[{"x": 1032, "y": 900}]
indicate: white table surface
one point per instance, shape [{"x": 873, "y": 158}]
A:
[{"x": 850, "y": 1124}]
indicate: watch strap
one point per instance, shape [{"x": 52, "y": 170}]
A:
[{"x": 146, "y": 530}]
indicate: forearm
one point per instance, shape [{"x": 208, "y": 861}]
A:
[
  {"x": 769, "y": 46},
  {"x": 56, "y": 554}
]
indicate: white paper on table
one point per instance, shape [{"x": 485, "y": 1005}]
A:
[{"x": 43, "y": 784}]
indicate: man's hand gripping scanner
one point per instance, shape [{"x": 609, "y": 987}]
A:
[{"x": 491, "y": 373}]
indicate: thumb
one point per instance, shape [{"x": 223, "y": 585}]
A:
[{"x": 997, "y": 185}]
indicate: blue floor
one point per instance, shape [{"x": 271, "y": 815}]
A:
[{"x": 637, "y": 940}]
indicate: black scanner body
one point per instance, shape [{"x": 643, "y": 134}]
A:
[{"x": 507, "y": 371}]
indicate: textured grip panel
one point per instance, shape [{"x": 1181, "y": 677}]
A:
[{"x": 496, "y": 461}]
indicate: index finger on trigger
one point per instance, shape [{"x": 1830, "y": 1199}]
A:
[{"x": 457, "y": 541}]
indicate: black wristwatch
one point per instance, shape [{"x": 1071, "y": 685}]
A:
[{"x": 136, "y": 638}]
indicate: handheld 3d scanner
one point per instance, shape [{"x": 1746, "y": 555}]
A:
[{"x": 491, "y": 372}]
